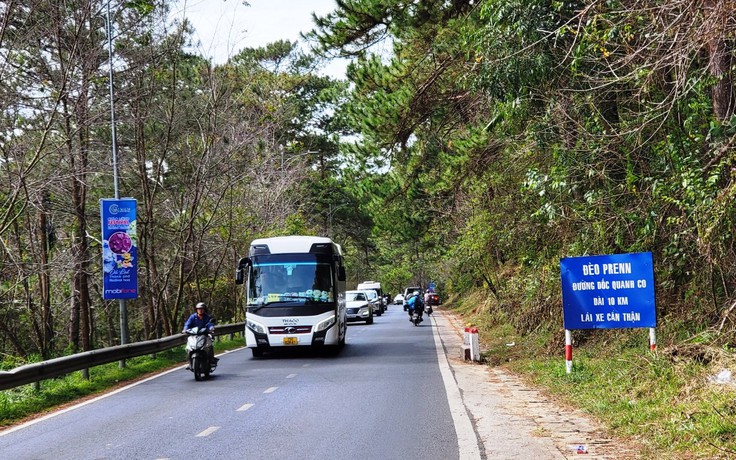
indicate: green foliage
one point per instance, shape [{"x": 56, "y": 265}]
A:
[{"x": 143, "y": 7}]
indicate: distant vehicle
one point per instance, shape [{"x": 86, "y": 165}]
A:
[
  {"x": 358, "y": 306},
  {"x": 294, "y": 293},
  {"x": 399, "y": 299},
  {"x": 374, "y": 300},
  {"x": 431, "y": 298},
  {"x": 375, "y": 285},
  {"x": 408, "y": 292}
]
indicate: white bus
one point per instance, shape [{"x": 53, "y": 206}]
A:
[{"x": 294, "y": 293}]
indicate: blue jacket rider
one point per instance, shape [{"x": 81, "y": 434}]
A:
[
  {"x": 199, "y": 319},
  {"x": 415, "y": 301}
]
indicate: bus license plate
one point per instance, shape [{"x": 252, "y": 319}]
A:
[{"x": 290, "y": 341}]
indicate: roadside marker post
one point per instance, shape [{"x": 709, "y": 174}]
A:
[{"x": 471, "y": 346}]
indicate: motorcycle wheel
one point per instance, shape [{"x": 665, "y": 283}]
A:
[{"x": 197, "y": 368}]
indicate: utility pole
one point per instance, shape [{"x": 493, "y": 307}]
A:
[{"x": 123, "y": 309}]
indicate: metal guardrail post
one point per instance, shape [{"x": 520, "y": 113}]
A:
[{"x": 36, "y": 372}]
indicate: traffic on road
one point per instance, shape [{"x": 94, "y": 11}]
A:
[{"x": 383, "y": 396}]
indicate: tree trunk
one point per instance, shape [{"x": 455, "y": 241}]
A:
[
  {"x": 46, "y": 236},
  {"x": 720, "y": 59}
]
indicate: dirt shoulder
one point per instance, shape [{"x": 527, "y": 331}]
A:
[{"x": 513, "y": 420}]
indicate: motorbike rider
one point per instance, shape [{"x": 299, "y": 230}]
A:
[
  {"x": 415, "y": 301},
  {"x": 201, "y": 319}
]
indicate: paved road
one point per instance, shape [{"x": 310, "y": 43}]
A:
[
  {"x": 382, "y": 397},
  {"x": 396, "y": 391}
]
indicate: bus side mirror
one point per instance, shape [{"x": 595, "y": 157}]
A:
[
  {"x": 341, "y": 273},
  {"x": 242, "y": 265}
]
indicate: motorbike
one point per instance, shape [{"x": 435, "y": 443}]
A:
[
  {"x": 428, "y": 308},
  {"x": 415, "y": 318},
  {"x": 199, "y": 346}
]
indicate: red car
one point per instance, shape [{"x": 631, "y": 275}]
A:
[{"x": 431, "y": 298}]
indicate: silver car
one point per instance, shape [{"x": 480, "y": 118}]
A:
[
  {"x": 358, "y": 306},
  {"x": 375, "y": 301}
]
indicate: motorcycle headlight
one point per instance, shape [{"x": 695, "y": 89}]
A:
[
  {"x": 324, "y": 324},
  {"x": 255, "y": 327}
]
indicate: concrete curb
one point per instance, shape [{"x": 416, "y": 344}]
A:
[{"x": 514, "y": 421}]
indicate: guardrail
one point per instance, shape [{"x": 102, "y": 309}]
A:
[{"x": 36, "y": 372}]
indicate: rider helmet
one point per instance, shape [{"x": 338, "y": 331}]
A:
[{"x": 201, "y": 305}]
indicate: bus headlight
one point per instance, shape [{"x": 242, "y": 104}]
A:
[
  {"x": 255, "y": 327},
  {"x": 324, "y": 324}
]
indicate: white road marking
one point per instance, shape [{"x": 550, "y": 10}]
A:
[
  {"x": 306, "y": 365},
  {"x": 271, "y": 390},
  {"x": 245, "y": 407},
  {"x": 208, "y": 431},
  {"x": 466, "y": 439},
  {"x": 90, "y": 401},
  {"x": 291, "y": 376}
]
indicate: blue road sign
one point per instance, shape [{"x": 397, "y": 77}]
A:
[{"x": 608, "y": 291}]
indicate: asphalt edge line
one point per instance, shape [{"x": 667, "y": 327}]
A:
[
  {"x": 467, "y": 438},
  {"x": 15, "y": 428}
]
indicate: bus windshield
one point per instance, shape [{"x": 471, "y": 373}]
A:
[{"x": 290, "y": 279}]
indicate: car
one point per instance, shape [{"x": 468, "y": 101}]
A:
[
  {"x": 375, "y": 301},
  {"x": 399, "y": 299},
  {"x": 408, "y": 292},
  {"x": 358, "y": 306},
  {"x": 431, "y": 298},
  {"x": 375, "y": 285}
]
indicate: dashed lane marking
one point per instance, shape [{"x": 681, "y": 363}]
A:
[
  {"x": 208, "y": 431},
  {"x": 271, "y": 390},
  {"x": 245, "y": 407}
]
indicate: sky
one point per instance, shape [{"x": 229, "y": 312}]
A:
[{"x": 223, "y": 27}]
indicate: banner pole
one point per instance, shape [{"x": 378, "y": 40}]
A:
[{"x": 568, "y": 351}]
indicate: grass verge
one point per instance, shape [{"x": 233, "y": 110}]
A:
[{"x": 28, "y": 401}]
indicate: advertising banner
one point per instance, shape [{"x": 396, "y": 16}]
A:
[
  {"x": 119, "y": 248},
  {"x": 608, "y": 291}
]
